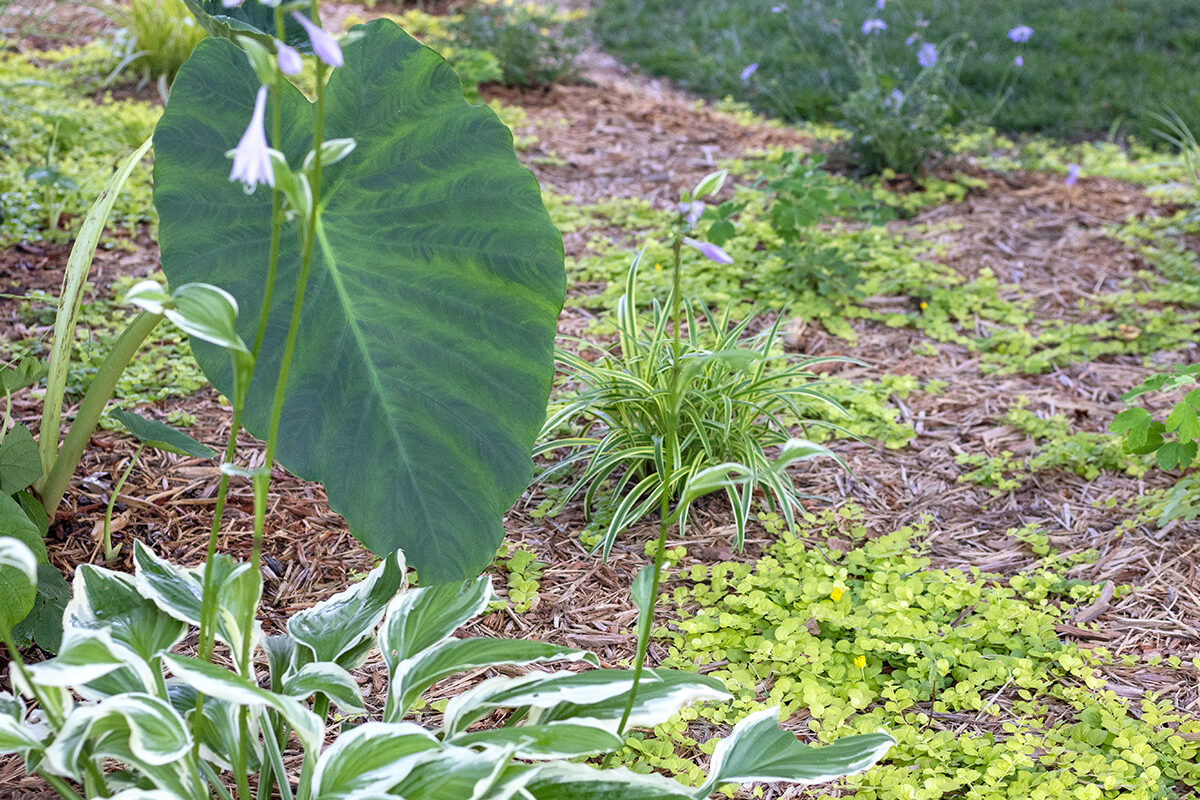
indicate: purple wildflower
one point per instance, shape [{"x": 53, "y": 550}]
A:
[
  {"x": 691, "y": 212},
  {"x": 879, "y": 4},
  {"x": 873, "y": 26},
  {"x": 927, "y": 56},
  {"x": 708, "y": 250},
  {"x": 231, "y": 3},
  {"x": 1072, "y": 174},
  {"x": 324, "y": 45},
  {"x": 252, "y": 157},
  {"x": 289, "y": 60},
  {"x": 909, "y": 41},
  {"x": 1020, "y": 34},
  {"x": 748, "y": 71},
  {"x": 777, "y": 9},
  {"x": 1018, "y": 61},
  {"x": 894, "y": 100}
]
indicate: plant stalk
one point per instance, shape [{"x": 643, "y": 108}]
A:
[{"x": 94, "y": 401}]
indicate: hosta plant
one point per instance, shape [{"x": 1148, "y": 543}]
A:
[{"x": 123, "y": 712}]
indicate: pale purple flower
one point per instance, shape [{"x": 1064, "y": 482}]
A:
[
  {"x": 323, "y": 44},
  {"x": 252, "y": 157},
  {"x": 708, "y": 250},
  {"x": 873, "y": 26},
  {"x": 691, "y": 212},
  {"x": 1072, "y": 174},
  {"x": 879, "y": 4},
  {"x": 289, "y": 60},
  {"x": 927, "y": 56},
  {"x": 1020, "y": 34},
  {"x": 777, "y": 9},
  {"x": 909, "y": 41},
  {"x": 231, "y": 3},
  {"x": 894, "y": 100},
  {"x": 1018, "y": 61},
  {"x": 748, "y": 71}
]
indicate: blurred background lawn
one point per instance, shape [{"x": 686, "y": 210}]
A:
[{"x": 1091, "y": 68}]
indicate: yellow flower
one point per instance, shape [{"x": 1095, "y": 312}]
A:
[
  {"x": 860, "y": 661},
  {"x": 836, "y": 594}
]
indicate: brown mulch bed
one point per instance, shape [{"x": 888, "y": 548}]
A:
[{"x": 624, "y": 136}]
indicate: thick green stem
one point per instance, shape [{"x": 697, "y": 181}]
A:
[
  {"x": 304, "y": 791},
  {"x": 92, "y": 407}
]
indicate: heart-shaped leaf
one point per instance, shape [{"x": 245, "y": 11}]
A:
[{"x": 424, "y": 356}]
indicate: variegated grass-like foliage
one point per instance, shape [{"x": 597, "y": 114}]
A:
[
  {"x": 119, "y": 691},
  {"x": 729, "y": 396}
]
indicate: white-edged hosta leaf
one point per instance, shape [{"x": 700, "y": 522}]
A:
[
  {"x": 178, "y": 591},
  {"x": 89, "y": 656},
  {"x": 18, "y": 581},
  {"x": 463, "y": 774},
  {"x": 137, "y": 725},
  {"x": 281, "y": 657},
  {"x": 211, "y": 680},
  {"x": 373, "y": 757},
  {"x": 538, "y": 690},
  {"x": 217, "y": 730},
  {"x": 16, "y": 734},
  {"x": 420, "y": 618},
  {"x": 661, "y": 693},
  {"x": 538, "y": 742},
  {"x": 413, "y": 676},
  {"x": 559, "y": 780},
  {"x": 144, "y": 794},
  {"x": 759, "y": 750},
  {"x": 331, "y": 680},
  {"x": 103, "y": 599},
  {"x": 334, "y": 628}
]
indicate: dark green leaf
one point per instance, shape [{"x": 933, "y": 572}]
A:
[
  {"x": 161, "y": 435},
  {"x": 43, "y": 625},
  {"x": 251, "y": 18},
  {"x": 424, "y": 357},
  {"x": 20, "y": 462},
  {"x": 16, "y": 523},
  {"x": 27, "y": 372}
]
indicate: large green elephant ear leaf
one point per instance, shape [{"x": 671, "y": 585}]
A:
[
  {"x": 424, "y": 357},
  {"x": 250, "y": 18}
]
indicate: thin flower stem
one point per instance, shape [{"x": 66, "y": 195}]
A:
[
  {"x": 109, "y": 552},
  {"x": 670, "y": 445}
]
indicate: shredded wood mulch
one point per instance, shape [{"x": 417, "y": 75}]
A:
[{"x": 622, "y": 135}]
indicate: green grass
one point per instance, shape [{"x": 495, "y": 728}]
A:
[{"x": 1091, "y": 66}]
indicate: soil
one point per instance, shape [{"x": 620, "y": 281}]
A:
[{"x": 620, "y": 134}]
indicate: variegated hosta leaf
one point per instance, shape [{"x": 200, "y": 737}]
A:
[
  {"x": 331, "y": 680},
  {"x": 16, "y": 734},
  {"x": 419, "y": 619},
  {"x": 371, "y": 758},
  {"x": 564, "y": 781},
  {"x": 53, "y": 699},
  {"x": 595, "y": 692},
  {"x": 95, "y": 665},
  {"x": 409, "y": 678},
  {"x": 661, "y": 693},
  {"x": 281, "y": 655},
  {"x": 103, "y": 599},
  {"x": 463, "y": 774},
  {"x": 335, "y": 628},
  {"x": 144, "y": 794},
  {"x": 759, "y": 750},
  {"x": 178, "y": 592},
  {"x": 135, "y": 728},
  {"x": 538, "y": 742},
  {"x": 211, "y": 680},
  {"x": 217, "y": 728}
]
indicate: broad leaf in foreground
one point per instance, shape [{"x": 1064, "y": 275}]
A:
[{"x": 424, "y": 357}]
